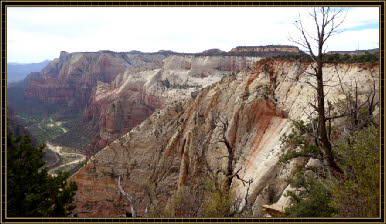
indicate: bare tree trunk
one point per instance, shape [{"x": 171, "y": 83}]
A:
[
  {"x": 230, "y": 173},
  {"x": 327, "y": 20},
  {"x": 326, "y": 144},
  {"x": 130, "y": 199}
]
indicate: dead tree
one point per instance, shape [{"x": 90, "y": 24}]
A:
[
  {"x": 360, "y": 112},
  {"x": 326, "y": 21},
  {"x": 130, "y": 199},
  {"x": 230, "y": 173}
]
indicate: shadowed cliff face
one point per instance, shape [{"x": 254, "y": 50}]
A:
[
  {"x": 15, "y": 127},
  {"x": 167, "y": 148}
]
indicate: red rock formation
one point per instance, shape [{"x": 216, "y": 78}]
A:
[
  {"x": 117, "y": 91},
  {"x": 166, "y": 148},
  {"x": 69, "y": 80}
]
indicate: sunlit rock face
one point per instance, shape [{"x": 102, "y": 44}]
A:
[{"x": 166, "y": 148}]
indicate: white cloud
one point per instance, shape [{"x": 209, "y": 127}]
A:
[{"x": 36, "y": 34}]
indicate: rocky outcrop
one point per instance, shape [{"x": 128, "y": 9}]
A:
[{"x": 167, "y": 148}]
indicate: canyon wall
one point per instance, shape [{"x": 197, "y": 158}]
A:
[
  {"x": 69, "y": 79},
  {"x": 167, "y": 148},
  {"x": 116, "y": 107},
  {"x": 16, "y": 127},
  {"x": 117, "y": 91}
]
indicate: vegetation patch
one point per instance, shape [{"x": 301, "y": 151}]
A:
[
  {"x": 366, "y": 58},
  {"x": 43, "y": 128}
]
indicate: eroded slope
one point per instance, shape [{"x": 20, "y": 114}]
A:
[{"x": 167, "y": 148}]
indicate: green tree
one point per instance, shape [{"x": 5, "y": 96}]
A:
[
  {"x": 353, "y": 194},
  {"x": 311, "y": 198},
  {"x": 322, "y": 190},
  {"x": 31, "y": 192},
  {"x": 357, "y": 193}
]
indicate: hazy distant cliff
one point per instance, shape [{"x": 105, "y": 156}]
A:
[{"x": 18, "y": 71}]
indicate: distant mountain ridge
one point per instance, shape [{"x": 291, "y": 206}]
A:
[
  {"x": 18, "y": 71},
  {"x": 251, "y": 51}
]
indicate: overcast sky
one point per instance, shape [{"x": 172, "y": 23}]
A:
[{"x": 36, "y": 34}]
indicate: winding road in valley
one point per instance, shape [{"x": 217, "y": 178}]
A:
[{"x": 58, "y": 151}]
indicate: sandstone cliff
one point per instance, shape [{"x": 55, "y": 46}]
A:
[
  {"x": 117, "y": 91},
  {"x": 116, "y": 107},
  {"x": 167, "y": 148},
  {"x": 69, "y": 79}
]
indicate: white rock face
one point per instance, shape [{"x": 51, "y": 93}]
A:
[
  {"x": 167, "y": 147},
  {"x": 183, "y": 75},
  {"x": 139, "y": 91}
]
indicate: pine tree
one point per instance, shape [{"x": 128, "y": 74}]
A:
[{"x": 31, "y": 192}]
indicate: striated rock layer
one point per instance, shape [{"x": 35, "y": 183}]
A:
[
  {"x": 166, "y": 149},
  {"x": 117, "y": 91},
  {"x": 69, "y": 79},
  {"x": 116, "y": 107}
]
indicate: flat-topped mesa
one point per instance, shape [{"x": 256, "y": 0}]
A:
[{"x": 267, "y": 48}]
